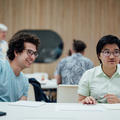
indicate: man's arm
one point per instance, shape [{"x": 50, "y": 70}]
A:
[
  {"x": 81, "y": 98},
  {"x": 112, "y": 99},
  {"x": 86, "y": 99},
  {"x": 58, "y": 78},
  {"x": 23, "y": 98}
]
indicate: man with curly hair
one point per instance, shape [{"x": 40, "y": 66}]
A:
[{"x": 21, "y": 53}]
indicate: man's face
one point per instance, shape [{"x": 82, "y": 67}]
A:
[
  {"x": 2, "y": 35},
  {"x": 110, "y": 55},
  {"x": 27, "y": 57}
]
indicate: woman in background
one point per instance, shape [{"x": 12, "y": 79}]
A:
[{"x": 3, "y": 42}]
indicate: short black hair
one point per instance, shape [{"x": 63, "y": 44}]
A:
[
  {"x": 78, "y": 45},
  {"x": 69, "y": 52},
  {"x": 108, "y": 39},
  {"x": 16, "y": 43}
]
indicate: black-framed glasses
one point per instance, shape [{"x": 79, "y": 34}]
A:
[
  {"x": 107, "y": 53},
  {"x": 31, "y": 52}
]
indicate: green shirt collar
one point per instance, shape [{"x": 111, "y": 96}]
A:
[{"x": 100, "y": 72}]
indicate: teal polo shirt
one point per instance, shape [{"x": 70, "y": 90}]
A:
[
  {"x": 96, "y": 83},
  {"x": 12, "y": 87}
]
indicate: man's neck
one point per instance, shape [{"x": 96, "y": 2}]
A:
[
  {"x": 15, "y": 67},
  {"x": 109, "y": 71},
  {"x": 82, "y": 52}
]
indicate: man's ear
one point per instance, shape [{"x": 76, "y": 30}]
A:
[
  {"x": 83, "y": 52},
  {"x": 98, "y": 56},
  {"x": 73, "y": 51},
  {"x": 16, "y": 54}
]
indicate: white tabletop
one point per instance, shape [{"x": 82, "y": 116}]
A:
[
  {"x": 46, "y": 83},
  {"x": 48, "y": 111},
  {"x": 49, "y": 84}
]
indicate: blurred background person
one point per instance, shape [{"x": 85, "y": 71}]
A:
[
  {"x": 69, "y": 52},
  {"x": 71, "y": 68},
  {"x": 3, "y": 43}
]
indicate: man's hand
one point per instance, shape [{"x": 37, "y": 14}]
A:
[
  {"x": 23, "y": 98},
  {"x": 112, "y": 98},
  {"x": 89, "y": 100}
]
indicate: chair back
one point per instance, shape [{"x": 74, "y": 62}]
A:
[
  {"x": 31, "y": 94},
  {"x": 67, "y": 94}
]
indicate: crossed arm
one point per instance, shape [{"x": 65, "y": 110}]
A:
[{"x": 58, "y": 78}]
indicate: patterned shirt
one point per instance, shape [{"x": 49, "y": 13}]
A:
[{"x": 72, "y": 68}]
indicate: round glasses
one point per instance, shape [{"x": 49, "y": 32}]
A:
[
  {"x": 31, "y": 52},
  {"x": 107, "y": 53}
]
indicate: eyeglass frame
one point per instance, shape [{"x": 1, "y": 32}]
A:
[
  {"x": 113, "y": 53},
  {"x": 31, "y": 52}
]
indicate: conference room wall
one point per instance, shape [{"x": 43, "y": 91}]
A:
[{"x": 87, "y": 20}]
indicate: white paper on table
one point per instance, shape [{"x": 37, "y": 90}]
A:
[
  {"x": 27, "y": 103},
  {"x": 43, "y": 81},
  {"x": 112, "y": 106},
  {"x": 79, "y": 107},
  {"x": 55, "y": 118}
]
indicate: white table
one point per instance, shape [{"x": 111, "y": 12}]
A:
[
  {"x": 46, "y": 83},
  {"x": 48, "y": 112},
  {"x": 49, "y": 84}
]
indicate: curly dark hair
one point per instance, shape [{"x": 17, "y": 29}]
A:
[
  {"x": 78, "y": 45},
  {"x": 16, "y": 43}
]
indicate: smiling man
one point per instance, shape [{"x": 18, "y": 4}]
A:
[{"x": 21, "y": 54}]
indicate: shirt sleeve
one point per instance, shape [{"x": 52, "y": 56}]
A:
[
  {"x": 2, "y": 62},
  {"x": 83, "y": 87},
  {"x": 26, "y": 85},
  {"x": 58, "y": 68}
]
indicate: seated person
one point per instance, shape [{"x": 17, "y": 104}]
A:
[
  {"x": 102, "y": 83},
  {"x": 21, "y": 53},
  {"x": 71, "y": 68},
  {"x": 3, "y": 42},
  {"x": 69, "y": 52}
]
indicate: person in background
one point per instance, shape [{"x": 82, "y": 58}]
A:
[
  {"x": 102, "y": 83},
  {"x": 69, "y": 52},
  {"x": 71, "y": 68},
  {"x": 21, "y": 54},
  {"x": 3, "y": 43}
]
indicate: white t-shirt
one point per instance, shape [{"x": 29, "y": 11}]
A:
[{"x": 3, "y": 49}]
